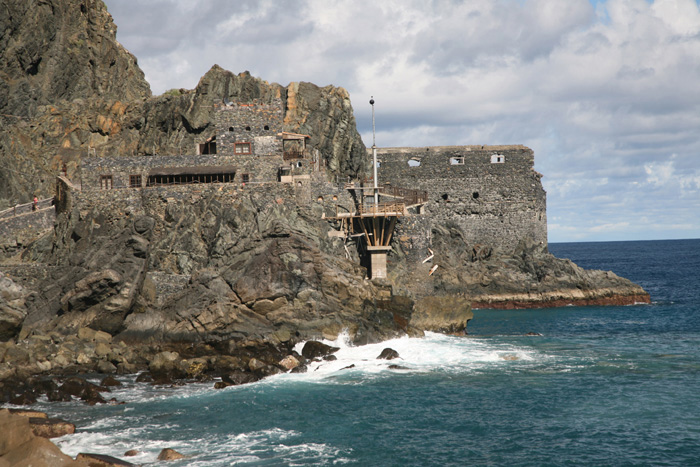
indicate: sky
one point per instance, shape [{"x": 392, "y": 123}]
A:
[{"x": 606, "y": 92}]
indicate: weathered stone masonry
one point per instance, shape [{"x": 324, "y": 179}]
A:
[{"x": 492, "y": 192}]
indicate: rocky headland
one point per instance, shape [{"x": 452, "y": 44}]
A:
[{"x": 220, "y": 284}]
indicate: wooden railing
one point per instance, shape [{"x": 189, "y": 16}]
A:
[
  {"x": 410, "y": 197},
  {"x": 381, "y": 208}
]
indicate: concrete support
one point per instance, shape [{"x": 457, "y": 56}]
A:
[{"x": 378, "y": 261}]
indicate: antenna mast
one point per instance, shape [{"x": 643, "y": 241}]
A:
[{"x": 374, "y": 156}]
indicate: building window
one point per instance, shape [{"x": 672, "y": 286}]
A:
[
  {"x": 230, "y": 129},
  {"x": 106, "y": 182},
  {"x": 135, "y": 181},
  {"x": 245, "y": 178},
  {"x": 498, "y": 158},
  {"x": 267, "y": 127},
  {"x": 247, "y": 128},
  {"x": 414, "y": 162},
  {"x": 241, "y": 148},
  {"x": 456, "y": 160}
]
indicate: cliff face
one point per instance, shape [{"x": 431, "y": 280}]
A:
[
  {"x": 62, "y": 50},
  {"x": 68, "y": 87}
]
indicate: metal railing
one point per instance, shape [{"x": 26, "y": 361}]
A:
[{"x": 25, "y": 208}]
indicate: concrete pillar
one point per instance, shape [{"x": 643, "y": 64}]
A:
[{"x": 378, "y": 261}]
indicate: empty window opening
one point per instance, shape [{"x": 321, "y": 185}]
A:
[
  {"x": 299, "y": 164},
  {"x": 245, "y": 178},
  {"x": 379, "y": 164},
  {"x": 456, "y": 160},
  {"x": 207, "y": 147},
  {"x": 247, "y": 128},
  {"x": 241, "y": 148},
  {"x": 230, "y": 129},
  {"x": 445, "y": 197},
  {"x": 267, "y": 127},
  {"x": 498, "y": 158},
  {"x": 414, "y": 162},
  {"x": 475, "y": 195},
  {"x": 106, "y": 182},
  {"x": 135, "y": 181}
]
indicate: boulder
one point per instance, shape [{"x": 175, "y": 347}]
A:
[
  {"x": 315, "y": 349},
  {"x": 388, "y": 354},
  {"x": 167, "y": 365},
  {"x": 239, "y": 377},
  {"x": 447, "y": 314},
  {"x": 101, "y": 460},
  {"x": 168, "y": 454},
  {"x": 51, "y": 427},
  {"x": 289, "y": 362},
  {"x": 19, "y": 446},
  {"x": 110, "y": 381},
  {"x": 39, "y": 452},
  {"x": 15, "y": 431}
]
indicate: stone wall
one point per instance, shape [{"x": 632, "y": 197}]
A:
[
  {"x": 24, "y": 228},
  {"x": 122, "y": 168},
  {"x": 256, "y": 123},
  {"x": 492, "y": 192}
]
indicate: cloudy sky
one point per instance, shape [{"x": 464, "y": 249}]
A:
[{"x": 606, "y": 92}]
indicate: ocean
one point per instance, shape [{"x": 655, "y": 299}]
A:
[{"x": 597, "y": 386}]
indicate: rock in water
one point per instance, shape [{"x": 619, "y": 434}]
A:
[
  {"x": 388, "y": 354},
  {"x": 315, "y": 349},
  {"x": 168, "y": 454}
]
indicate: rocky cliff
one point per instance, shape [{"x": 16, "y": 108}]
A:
[{"x": 68, "y": 87}]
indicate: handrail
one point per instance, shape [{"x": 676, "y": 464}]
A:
[{"x": 25, "y": 208}]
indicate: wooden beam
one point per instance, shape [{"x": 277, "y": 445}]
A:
[{"x": 391, "y": 230}]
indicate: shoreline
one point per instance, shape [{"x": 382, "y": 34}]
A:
[{"x": 529, "y": 304}]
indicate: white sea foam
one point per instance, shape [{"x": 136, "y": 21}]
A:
[{"x": 434, "y": 352}]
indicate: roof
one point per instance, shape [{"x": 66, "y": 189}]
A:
[{"x": 207, "y": 170}]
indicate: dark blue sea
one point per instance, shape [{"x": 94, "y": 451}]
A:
[{"x": 600, "y": 386}]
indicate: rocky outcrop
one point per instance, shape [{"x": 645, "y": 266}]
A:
[
  {"x": 12, "y": 307},
  {"x": 20, "y": 446},
  {"x": 531, "y": 277},
  {"x": 62, "y": 50}
]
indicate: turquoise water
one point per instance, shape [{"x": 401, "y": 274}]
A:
[{"x": 600, "y": 386}]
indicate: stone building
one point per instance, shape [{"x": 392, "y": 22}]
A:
[
  {"x": 492, "y": 192},
  {"x": 249, "y": 146}
]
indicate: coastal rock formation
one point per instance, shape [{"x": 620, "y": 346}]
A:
[{"x": 530, "y": 277}]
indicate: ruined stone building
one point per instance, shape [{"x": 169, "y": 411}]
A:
[{"x": 492, "y": 193}]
